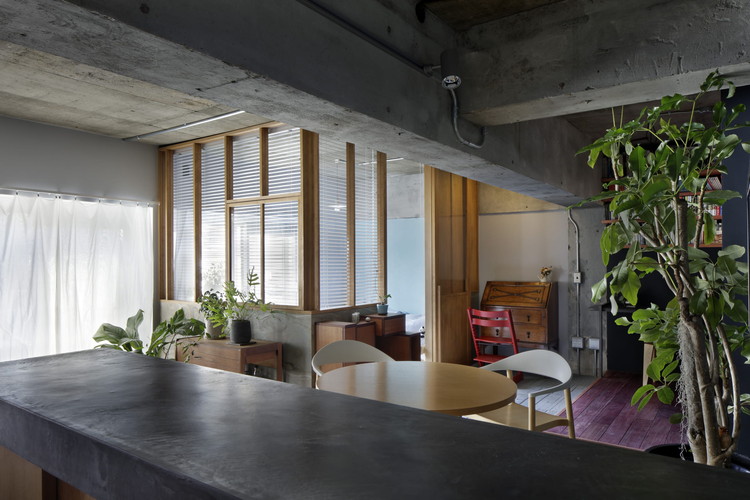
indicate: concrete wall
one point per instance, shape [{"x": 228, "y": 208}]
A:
[{"x": 44, "y": 158}]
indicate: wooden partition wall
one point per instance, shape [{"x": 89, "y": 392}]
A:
[{"x": 451, "y": 221}]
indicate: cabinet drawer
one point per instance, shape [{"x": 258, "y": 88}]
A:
[
  {"x": 531, "y": 333},
  {"x": 534, "y": 316}
]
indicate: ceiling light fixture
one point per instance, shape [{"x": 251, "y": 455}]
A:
[{"x": 186, "y": 125}]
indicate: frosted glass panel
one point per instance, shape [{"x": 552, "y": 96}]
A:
[
  {"x": 284, "y": 161},
  {"x": 334, "y": 247},
  {"x": 183, "y": 236},
  {"x": 245, "y": 243},
  {"x": 281, "y": 245},
  {"x": 246, "y": 166},
  {"x": 212, "y": 217}
]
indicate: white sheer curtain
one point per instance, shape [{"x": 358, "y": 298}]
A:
[{"x": 68, "y": 265}]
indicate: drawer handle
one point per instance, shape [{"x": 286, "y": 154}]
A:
[
  {"x": 528, "y": 335},
  {"x": 528, "y": 317}
]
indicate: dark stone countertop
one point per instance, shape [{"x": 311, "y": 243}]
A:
[{"x": 120, "y": 425}]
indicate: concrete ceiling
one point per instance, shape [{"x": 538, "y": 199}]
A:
[
  {"x": 45, "y": 88},
  {"x": 355, "y": 71}
]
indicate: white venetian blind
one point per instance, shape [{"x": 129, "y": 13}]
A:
[
  {"x": 183, "y": 257},
  {"x": 366, "y": 228},
  {"x": 334, "y": 247},
  {"x": 281, "y": 245},
  {"x": 212, "y": 216},
  {"x": 245, "y": 243},
  {"x": 284, "y": 161},
  {"x": 246, "y": 166}
]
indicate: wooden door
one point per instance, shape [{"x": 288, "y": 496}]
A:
[{"x": 452, "y": 269}]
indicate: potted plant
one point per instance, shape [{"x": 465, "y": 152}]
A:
[
  {"x": 661, "y": 203},
  {"x": 241, "y": 307},
  {"x": 164, "y": 335},
  {"x": 382, "y": 306},
  {"x": 213, "y": 306}
]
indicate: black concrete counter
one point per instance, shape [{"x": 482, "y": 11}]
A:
[{"x": 120, "y": 425}]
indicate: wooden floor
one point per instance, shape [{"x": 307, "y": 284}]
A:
[{"x": 603, "y": 414}]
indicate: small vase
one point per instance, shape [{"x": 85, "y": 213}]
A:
[
  {"x": 240, "y": 331},
  {"x": 382, "y": 308},
  {"x": 213, "y": 332}
]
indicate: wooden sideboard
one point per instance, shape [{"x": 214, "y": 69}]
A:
[
  {"x": 533, "y": 306},
  {"x": 224, "y": 355}
]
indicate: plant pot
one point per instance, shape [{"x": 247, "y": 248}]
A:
[
  {"x": 382, "y": 308},
  {"x": 213, "y": 332},
  {"x": 738, "y": 462},
  {"x": 240, "y": 331}
]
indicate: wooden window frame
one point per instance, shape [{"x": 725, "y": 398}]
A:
[{"x": 308, "y": 271}]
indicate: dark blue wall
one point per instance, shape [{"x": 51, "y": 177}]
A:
[{"x": 735, "y": 226}]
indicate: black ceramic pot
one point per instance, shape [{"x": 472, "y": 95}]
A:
[
  {"x": 739, "y": 462},
  {"x": 240, "y": 331}
]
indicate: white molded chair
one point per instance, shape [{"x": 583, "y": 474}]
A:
[
  {"x": 539, "y": 362},
  {"x": 346, "y": 351}
]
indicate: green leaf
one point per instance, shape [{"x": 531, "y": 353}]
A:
[
  {"x": 656, "y": 185},
  {"x": 631, "y": 287},
  {"x": 698, "y": 302},
  {"x": 719, "y": 196},
  {"x": 637, "y": 161},
  {"x": 675, "y": 418},
  {"x": 640, "y": 392},
  {"x": 599, "y": 289},
  {"x": 612, "y": 241},
  {"x": 614, "y": 306},
  {"x": 665, "y": 394},
  {"x": 709, "y": 228},
  {"x": 133, "y": 323},
  {"x": 645, "y": 401},
  {"x": 732, "y": 251}
]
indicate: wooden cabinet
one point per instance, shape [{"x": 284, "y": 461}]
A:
[
  {"x": 533, "y": 306},
  {"x": 388, "y": 324},
  {"x": 331, "y": 331},
  {"x": 401, "y": 346},
  {"x": 223, "y": 355}
]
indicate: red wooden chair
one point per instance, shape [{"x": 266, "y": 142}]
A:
[{"x": 483, "y": 325}]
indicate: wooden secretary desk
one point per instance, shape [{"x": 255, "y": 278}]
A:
[{"x": 533, "y": 306}]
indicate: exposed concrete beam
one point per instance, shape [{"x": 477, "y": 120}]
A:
[
  {"x": 285, "y": 61},
  {"x": 582, "y": 55}
]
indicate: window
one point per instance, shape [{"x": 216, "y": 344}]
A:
[{"x": 236, "y": 206}]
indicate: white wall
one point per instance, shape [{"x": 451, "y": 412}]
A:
[
  {"x": 45, "y": 158},
  {"x": 514, "y": 246},
  {"x": 406, "y": 266}
]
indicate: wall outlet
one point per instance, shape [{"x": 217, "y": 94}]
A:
[
  {"x": 576, "y": 342},
  {"x": 594, "y": 343},
  {"x": 576, "y": 277}
]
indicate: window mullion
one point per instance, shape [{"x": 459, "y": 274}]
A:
[
  {"x": 197, "y": 218},
  {"x": 350, "y": 220}
]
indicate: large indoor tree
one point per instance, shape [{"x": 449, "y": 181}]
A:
[{"x": 663, "y": 199}]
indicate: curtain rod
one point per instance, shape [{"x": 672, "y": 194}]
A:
[{"x": 37, "y": 192}]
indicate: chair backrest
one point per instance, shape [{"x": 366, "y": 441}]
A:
[
  {"x": 492, "y": 319},
  {"x": 536, "y": 361},
  {"x": 347, "y": 351},
  {"x": 501, "y": 320}
]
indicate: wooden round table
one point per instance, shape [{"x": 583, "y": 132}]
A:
[{"x": 442, "y": 387}]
